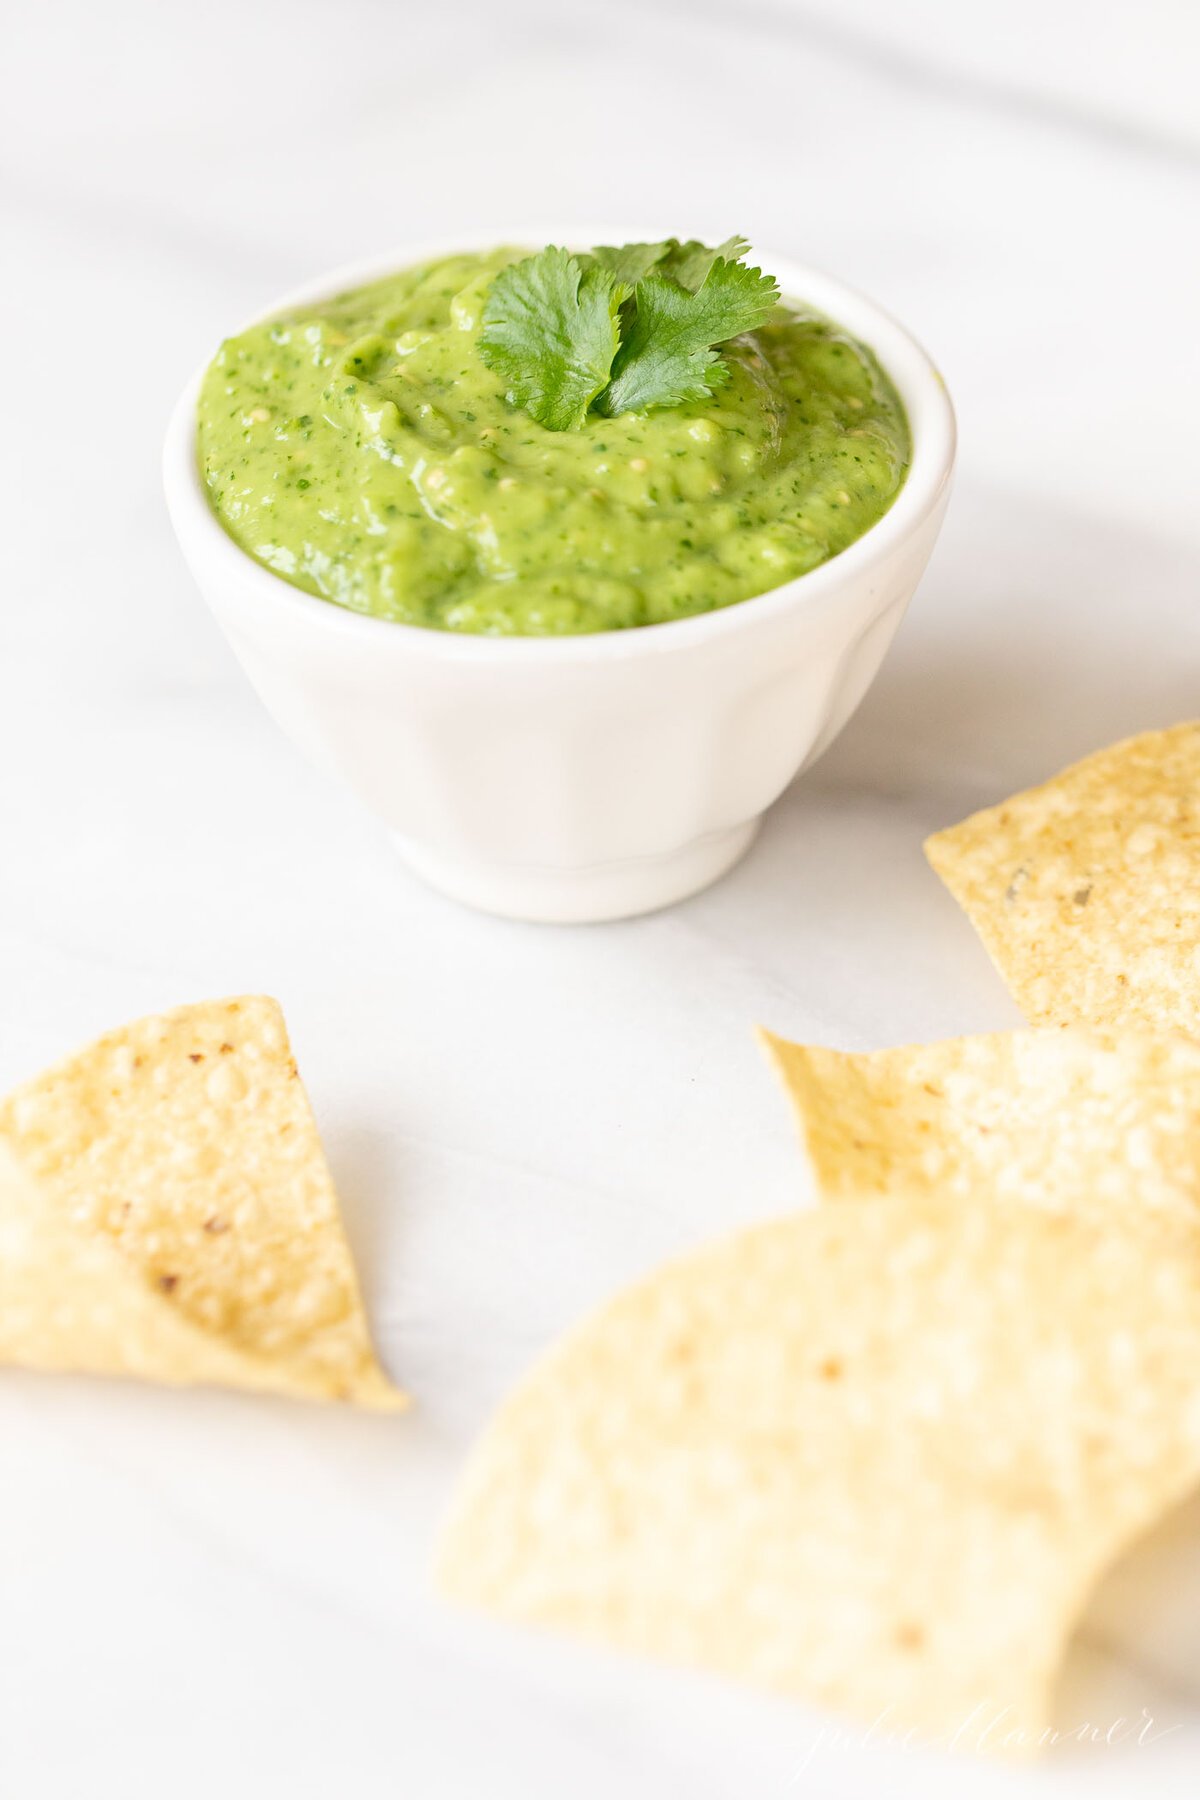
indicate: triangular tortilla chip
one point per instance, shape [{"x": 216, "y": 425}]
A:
[
  {"x": 874, "y": 1455},
  {"x": 184, "y": 1146},
  {"x": 1086, "y": 892},
  {"x": 1085, "y": 1121}
]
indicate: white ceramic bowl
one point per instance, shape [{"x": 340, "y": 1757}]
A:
[{"x": 580, "y": 778}]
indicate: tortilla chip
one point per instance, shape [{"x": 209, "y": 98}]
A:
[
  {"x": 1086, "y": 892},
  {"x": 874, "y": 1455},
  {"x": 1095, "y": 1123},
  {"x": 69, "y": 1301},
  {"x": 184, "y": 1146}
]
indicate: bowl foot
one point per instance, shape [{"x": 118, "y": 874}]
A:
[{"x": 581, "y": 896}]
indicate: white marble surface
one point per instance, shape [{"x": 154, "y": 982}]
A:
[{"x": 207, "y": 1594}]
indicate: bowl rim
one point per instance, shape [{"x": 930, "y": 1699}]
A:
[{"x": 922, "y": 390}]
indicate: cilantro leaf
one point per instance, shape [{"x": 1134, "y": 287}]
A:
[
  {"x": 621, "y": 328},
  {"x": 629, "y": 262},
  {"x": 550, "y": 331},
  {"x": 687, "y": 263},
  {"x": 668, "y": 350}
]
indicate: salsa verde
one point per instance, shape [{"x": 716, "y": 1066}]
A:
[{"x": 360, "y": 448}]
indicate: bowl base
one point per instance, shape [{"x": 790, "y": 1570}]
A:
[{"x": 581, "y": 896}]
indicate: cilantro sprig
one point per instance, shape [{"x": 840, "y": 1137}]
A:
[
  {"x": 623, "y": 328},
  {"x": 550, "y": 329}
]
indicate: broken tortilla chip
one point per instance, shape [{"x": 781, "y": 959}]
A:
[
  {"x": 1086, "y": 892},
  {"x": 1096, "y": 1123},
  {"x": 872, "y": 1455},
  {"x": 179, "y": 1154}
]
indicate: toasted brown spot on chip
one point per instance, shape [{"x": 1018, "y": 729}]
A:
[{"x": 1014, "y": 886}]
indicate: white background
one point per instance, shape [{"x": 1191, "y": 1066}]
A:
[{"x": 204, "y": 1594}]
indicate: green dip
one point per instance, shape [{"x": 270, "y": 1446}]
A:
[{"x": 360, "y": 448}]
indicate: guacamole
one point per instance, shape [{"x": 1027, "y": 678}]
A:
[{"x": 360, "y": 448}]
